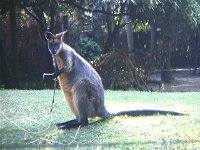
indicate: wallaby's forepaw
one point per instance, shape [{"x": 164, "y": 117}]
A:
[{"x": 50, "y": 76}]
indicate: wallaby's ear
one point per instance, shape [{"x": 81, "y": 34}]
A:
[
  {"x": 48, "y": 35},
  {"x": 60, "y": 35}
]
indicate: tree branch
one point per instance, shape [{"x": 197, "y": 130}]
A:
[
  {"x": 102, "y": 11},
  {"x": 29, "y": 13}
]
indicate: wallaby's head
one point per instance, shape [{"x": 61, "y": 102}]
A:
[{"x": 55, "y": 42}]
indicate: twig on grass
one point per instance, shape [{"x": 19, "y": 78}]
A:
[
  {"x": 28, "y": 131},
  {"x": 42, "y": 140},
  {"x": 75, "y": 135}
]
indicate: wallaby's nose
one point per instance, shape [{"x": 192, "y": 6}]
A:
[{"x": 54, "y": 52}]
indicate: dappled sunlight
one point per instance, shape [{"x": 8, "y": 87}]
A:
[
  {"x": 152, "y": 131},
  {"x": 119, "y": 106}
]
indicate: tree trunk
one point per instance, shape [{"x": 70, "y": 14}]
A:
[
  {"x": 152, "y": 38},
  {"x": 129, "y": 35},
  {"x": 3, "y": 66},
  {"x": 14, "y": 72},
  {"x": 112, "y": 33},
  {"x": 197, "y": 56},
  {"x": 109, "y": 42},
  {"x": 41, "y": 19},
  {"x": 109, "y": 19},
  {"x": 111, "y": 37},
  {"x": 47, "y": 61},
  {"x": 166, "y": 75},
  {"x": 129, "y": 30},
  {"x": 65, "y": 27},
  {"x": 53, "y": 14}
]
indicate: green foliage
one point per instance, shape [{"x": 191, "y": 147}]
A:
[
  {"x": 141, "y": 27},
  {"x": 89, "y": 49},
  {"x": 171, "y": 17},
  {"x": 156, "y": 11}
]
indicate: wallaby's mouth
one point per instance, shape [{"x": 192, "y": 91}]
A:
[{"x": 54, "y": 52}]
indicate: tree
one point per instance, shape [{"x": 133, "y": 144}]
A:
[
  {"x": 171, "y": 18},
  {"x": 11, "y": 75},
  {"x": 10, "y": 66},
  {"x": 129, "y": 31},
  {"x": 104, "y": 22},
  {"x": 14, "y": 74},
  {"x": 114, "y": 11},
  {"x": 177, "y": 16}
]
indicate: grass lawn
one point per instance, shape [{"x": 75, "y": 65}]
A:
[{"x": 30, "y": 110}]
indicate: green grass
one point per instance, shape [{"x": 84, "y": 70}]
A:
[{"x": 30, "y": 109}]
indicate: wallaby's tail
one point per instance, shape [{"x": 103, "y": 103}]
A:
[{"x": 146, "y": 112}]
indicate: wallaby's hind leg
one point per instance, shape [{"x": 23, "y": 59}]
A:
[
  {"x": 66, "y": 122},
  {"x": 73, "y": 124},
  {"x": 81, "y": 101},
  {"x": 81, "y": 121}
]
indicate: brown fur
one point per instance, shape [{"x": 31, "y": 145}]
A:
[
  {"x": 80, "y": 83},
  {"x": 82, "y": 86}
]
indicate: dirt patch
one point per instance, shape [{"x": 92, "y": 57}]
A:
[{"x": 184, "y": 81}]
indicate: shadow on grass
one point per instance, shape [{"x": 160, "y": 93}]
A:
[{"x": 162, "y": 143}]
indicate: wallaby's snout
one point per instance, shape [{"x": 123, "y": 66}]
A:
[{"x": 54, "y": 47}]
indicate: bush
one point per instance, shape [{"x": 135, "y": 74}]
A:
[{"x": 89, "y": 49}]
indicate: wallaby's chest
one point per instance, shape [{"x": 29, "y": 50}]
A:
[
  {"x": 63, "y": 77},
  {"x": 66, "y": 84},
  {"x": 59, "y": 61}
]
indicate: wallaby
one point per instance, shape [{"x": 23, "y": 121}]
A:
[{"x": 82, "y": 86}]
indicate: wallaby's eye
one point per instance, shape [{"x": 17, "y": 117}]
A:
[
  {"x": 54, "y": 47},
  {"x": 54, "y": 44}
]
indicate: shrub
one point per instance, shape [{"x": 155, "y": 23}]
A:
[{"x": 89, "y": 49}]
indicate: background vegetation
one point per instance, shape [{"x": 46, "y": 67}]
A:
[{"x": 125, "y": 40}]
